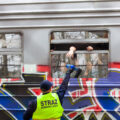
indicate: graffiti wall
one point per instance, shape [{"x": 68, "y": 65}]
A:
[{"x": 85, "y": 99}]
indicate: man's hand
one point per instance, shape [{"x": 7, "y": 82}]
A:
[
  {"x": 89, "y": 48},
  {"x": 71, "y": 52}
]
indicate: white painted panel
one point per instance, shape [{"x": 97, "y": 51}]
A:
[
  {"x": 36, "y": 43},
  {"x": 61, "y": 22},
  {"x": 60, "y": 6},
  {"x": 43, "y": 1},
  {"x": 36, "y": 31},
  {"x": 115, "y": 44},
  {"x": 36, "y": 46}
]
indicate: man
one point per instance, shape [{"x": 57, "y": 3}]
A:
[
  {"x": 90, "y": 60},
  {"x": 48, "y": 106},
  {"x": 80, "y": 59},
  {"x": 72, "y": 60},
  {"x": 64, "y": 61},
  {"x": 93, "y": 61}
]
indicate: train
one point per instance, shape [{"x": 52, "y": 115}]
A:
[{"x": 35, "y": 36}]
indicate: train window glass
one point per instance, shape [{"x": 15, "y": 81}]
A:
[
  {"x": 10, "y": 55},
  {"x": 93, "y": 63}
]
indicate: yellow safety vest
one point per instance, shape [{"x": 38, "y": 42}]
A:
[{"x": 48, "y": 107}]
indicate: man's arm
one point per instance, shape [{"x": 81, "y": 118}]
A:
[
  {"x": 63, "y": 87},
  {"x": 29, "y": 112}
]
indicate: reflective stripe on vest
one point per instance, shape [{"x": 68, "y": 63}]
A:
[
  {"x": 48, "y": 107},
  {"x": 46, "y": 119}
]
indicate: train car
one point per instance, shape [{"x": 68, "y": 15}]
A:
[{"x": 35, "y": 36}]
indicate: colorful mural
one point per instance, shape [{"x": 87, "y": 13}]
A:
[{"x": 85, "y": 99}]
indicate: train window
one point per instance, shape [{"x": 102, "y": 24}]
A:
[
  {"x": 93, "y": 63},
  {"x": 10, "y": 55}
]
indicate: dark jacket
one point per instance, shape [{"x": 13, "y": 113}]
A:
[{"x": 61, "y": 92}]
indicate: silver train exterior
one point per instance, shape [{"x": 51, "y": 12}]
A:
[{"x": 35, "y": 20}]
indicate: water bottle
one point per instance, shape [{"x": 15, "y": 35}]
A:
[{"x": 68, "y": 66}]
